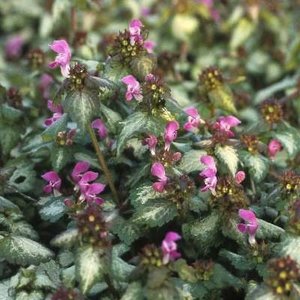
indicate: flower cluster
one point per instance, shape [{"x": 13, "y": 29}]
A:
[
  {"x": 209, "y": 173},
  {"x": 250, "y": 226},
  {"x": 83, "y": 178}
]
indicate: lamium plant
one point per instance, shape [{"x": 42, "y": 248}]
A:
[{"x": 149, "y": 150}]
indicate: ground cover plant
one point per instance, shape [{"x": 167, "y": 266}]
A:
[{"x": 149, "y": 149}]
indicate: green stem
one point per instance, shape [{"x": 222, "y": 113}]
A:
[{"x": 102, "y": 163}]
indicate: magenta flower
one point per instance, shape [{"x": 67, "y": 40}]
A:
[
  {"x": 80, "y": 168},
  {"x": 90, "y": 195},
  {"x": 133, "y": 88},
  {"x": 62, "y": 60},
  {"x": 57, "y": 113},
  {"x": 240, "y": 177},
  {"x": 226, "y": 123},
  {"x": 194, "y": 120},
  {"x": 135, "y": 30},
  {"x": 85, "y": 180},
  {"x": 209, "y": 172},
  {"x": 213, "y": 12},
  {"x": 100, "y": 126},
  {"x": 158, "y": 170},
  {"x": 250, "y": 226},
  {"x": 13, "y": 47},
  {"x": 170, "y": 133},
  {"x": 273, "y": 148},
  {"x": 54, "y": 182},
  {"x": 169, "y": 247},
  {"x": 44, "y": 85},
  {"x": 151, "y": 142},
  {"x": 149, "y": 45}
]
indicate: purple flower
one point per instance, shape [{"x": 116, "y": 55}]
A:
[
  {"x": 224, "y": 124},
  {"x": 80, "y": 168},
  {"x": 62, "y": 60},
  {"x": 54, "y": 182},
  {"x": 209, "y": 173},
  {"x": 85, "y": 180},
  {"x": 158, "y": 170},
  {"x": 44, "y": 85},
  {"x": 100, "y": 126},
  {"x": 133, "y": 88},
  {"x": 273, "y": 148},
  {"x": 135, "y": 30},
  {"x": 169, "y": 247},
  {"x": 13, "y": 47},
  {"x": 57, "y": 113},
  {"x": 151, "y": 142},
  {"x": 149, "y": 45},
  {"x": 90, "y": 195},
  {"x": 240, "y": 177},
  {"x": 194, "y": 120},
  {"x": 170, "y": 133},
  {"x": 250, "y": 226}
]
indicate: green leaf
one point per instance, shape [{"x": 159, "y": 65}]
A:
[
  {"x": 9, "y": 137},
  {"x": 6, "y": 204},
  {"x": 23, "y": 178},
  {"x": 81, "y": 106},
  {"x": 21, "y": 250},
  {"x": 51, "y": 132},
  {"x": 267, "y": 230},
  {"x": 155, "y": 213},
  {"x": 238, "y": 261},
  {"x": 126, "y": 230},
  {"x": 289, "y": 141},
  {"x": 290, "y": 246},
  {"x": 229, "y": 157},
  {"x": 120, "y": 269},
  {"x": 203, "y": 232},
  {"x": 261, "y": 292},
  {"x": 53, "y": 208},
  {"x": 141, "y": 195},
  {"x": 190, "y": 162},
  {"x": 60, "y": 156},
  {"x": 112, "y": 118},
  {"x": 258, "y": 165},
  {"x": 9, "y": 113},
  {"x": 242, "y": 31},
  {"x": 135, "y": 123},
  {"x": 90, "y": 267},
  {"x": 35, "y": 295},
  {"x": 134, "y": 292},
  {"x": 66, "y": 238},
  {"x": 185, "y": 272}
]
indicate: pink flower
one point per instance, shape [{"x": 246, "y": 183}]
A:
[
  {"x": 133, "y": 88},
  {"x": 170, "y": 133},
  {"x": 226, "y": 123},
  {"x": 135, "y": 30},
  {"x": 194, "y": 120},
  {"x": 213, "y": 12},
  {"x": 62, "y": 60},
  {"x": 13, "y": 47},
  {"x": 240, "y": 177},
  {"x": 149, "y": 45},
  {"x": 209, "y": 173},
  {"x": 169, "y": 247},
  {"x": 44, "y": 85},
  {"x": 273, "y": 148},
  {"x": 90, "y": 195},
  {"x": 99, "y": 124},
  {"x": 158, "y": 170},
  {"x": 85, "y": 180},
  {"x": 54, "y": 182},
  {"x": 250, "y": 226},
  {"x": 80, "y": 168},
  {"x": 57, "y": 113},
  {"x": 151, "y": 142}
]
